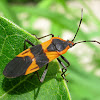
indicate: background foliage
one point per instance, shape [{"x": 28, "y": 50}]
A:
[{"x": 63, "y": 17}]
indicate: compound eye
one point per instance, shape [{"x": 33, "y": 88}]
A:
[
  {"x": 67, "y": 41},
  {"x": 70, "y": 45}
]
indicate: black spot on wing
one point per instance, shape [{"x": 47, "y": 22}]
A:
[
  {"x": 57, "y": 45},
  {"x": 36, "y": 50},
  {"x": 17, "y": 67},
  {"x": 40, "y": 56},
  {"x": 51, "y": 47},
  {"x": 41, "y": 60}
]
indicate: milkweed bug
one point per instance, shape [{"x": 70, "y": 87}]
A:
[{"x": 32, "y": 59}]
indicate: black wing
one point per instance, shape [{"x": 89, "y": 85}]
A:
[{"x": 17, "y": 67}]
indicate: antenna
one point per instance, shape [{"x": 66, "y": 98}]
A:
[
  {"x": 87, "y": 41},
  {"x": 78, "y": 30},
  {"x": 79, "y": 23}
]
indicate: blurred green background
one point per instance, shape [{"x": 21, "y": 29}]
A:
[{"x": 61, "y": 18}]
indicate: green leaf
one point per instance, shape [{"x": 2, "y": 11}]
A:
[
  {"x": 83, "y": 85},
  {"x": 26, "y": 87}
]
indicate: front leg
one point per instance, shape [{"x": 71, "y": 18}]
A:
[
  {"x": 43, "y": 36},
  {"x": 66, "y": 62},
  {"x": 64, "y": 69},
  {"x": 27, "y": 42}
]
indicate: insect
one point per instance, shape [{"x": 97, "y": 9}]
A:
[{"x": 32, "y": 59}]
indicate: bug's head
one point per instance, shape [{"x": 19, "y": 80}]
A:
[{"x": 70, "y": 43}]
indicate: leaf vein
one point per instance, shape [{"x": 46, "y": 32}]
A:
[{"x": 3, "y": 44}]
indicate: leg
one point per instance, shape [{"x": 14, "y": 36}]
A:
[
  {"x": 65, "y": 61},
  {"x": 43, "y": 36},
  {"x": 64, "y": 67},
  {"x": 43, "y": 75},
  {"x": 38, "y": 75},
  {"x": 27, "y": 42}
]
